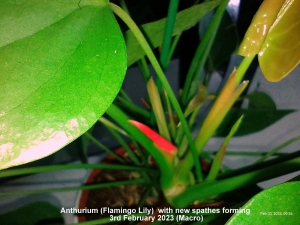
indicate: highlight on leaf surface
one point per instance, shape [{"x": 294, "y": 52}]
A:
[
  {"x": 158, "y": 140},
  {"x": 280, "y": 53},
  {"x": 259, "y": 28},
  {"x": 61, "y": 67},
  {"x": 274, "y": 35}
]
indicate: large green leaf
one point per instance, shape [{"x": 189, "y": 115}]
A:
[
  {"x": 33, "y": 214},
  {"x": 276, "y": 205},
  {"x": 61, "y": 67},
  {"x": 225, "y": 42},
  {"x": 154, "y": 31}
]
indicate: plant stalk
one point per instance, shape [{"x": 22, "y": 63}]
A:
[
  {"x": 141, "y": 39},
  {"x": 202, "y": 53}
]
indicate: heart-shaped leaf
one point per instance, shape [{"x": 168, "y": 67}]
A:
[
  {"x": 280, "y": 53},
  {"x": 62, "y": 64},
  {"x": 274, "y": 35},
  {"x": 276, "y": 205}
]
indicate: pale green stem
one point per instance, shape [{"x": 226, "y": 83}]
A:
[
  {"x": 43, "y": 169},
  {"x": 142, "y": 63},
  {"x": 141, "y": 39},
  {"x": 212, "y": 188},
  {"x": 173, "y": 47},
  {"x": 132, "y": 106},
  {"x": 243, "y": 67},
  {"x": 187, "y": 163},
  {"x": 278, "y": 148},
  {"x": 111, "y": 125},
  {"x": 103, "y": 147},
  {"x": 125, "y": 95},
  {"x": 75, "y": 188}
]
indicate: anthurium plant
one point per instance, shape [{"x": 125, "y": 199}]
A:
[{"x": 67, "y": 66}]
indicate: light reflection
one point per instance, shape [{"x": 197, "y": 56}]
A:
[
  {"x": 233, "y": 9},
  {"x": 42, "y": 148}
]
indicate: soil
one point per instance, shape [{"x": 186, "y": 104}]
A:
[{"x": 127, "y": 196}]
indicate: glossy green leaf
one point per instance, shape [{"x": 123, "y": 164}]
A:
[
  {"x": 154, "y": 31},
  {"x": 61, "y": 67},
  {"x": 254, "y": 120},
  {"x": 274, "y": 35},
  {"x": 33, "y": 214},
  {"x": 276, "y": 205},
  {"x": 280, "y": 52},
  {"x": 259, "y": 27}
]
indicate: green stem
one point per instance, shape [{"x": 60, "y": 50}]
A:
[
  {"x": 75, "y": 188},
  {"x": 241, "y": 153},
  {"x": 165, "y": 167},
  {"x": 217, "y": 161},
  {"x": 278, "y": 148},
  {"x": 168, "y": 32},
  {"x": 103, "y": 147},
  {"x": 125, "y": 146},
  {"x": 43, "y": 169},
  {"x": 133, "y": 107},
  {"x": 141, "y": 39},
  {"x": 82, "y": 149},
  {"x": 173, "y": 47},
  {"x": 243, "y": 67},
  {"x": 171, "y": 17},
  {"x": 258, "y": 166},
  {"x": 109, "y": 124},
  {"x": 186, "y": 164},
  {"x": 142, "y": 63},
  {"x": 124, "y": 6},
  {"x": 221, "y": 186},
  {"x": 125, "y": 95},
  {"x": 202, "y": 53}
]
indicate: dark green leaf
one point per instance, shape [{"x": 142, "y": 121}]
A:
[
  {"x": 276, "y": 205},
  {"x": 254, "y": 120},
  {"x": 37, "y": 213},
  {"x": 61, "y": 67},
  {"x": 154, "y": 31}
]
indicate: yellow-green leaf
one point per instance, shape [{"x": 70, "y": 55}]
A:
[
  {"x": 158, "y": 109},
  {"x": 280, "y": 53},
  {"x": 260, "y": 25}
]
